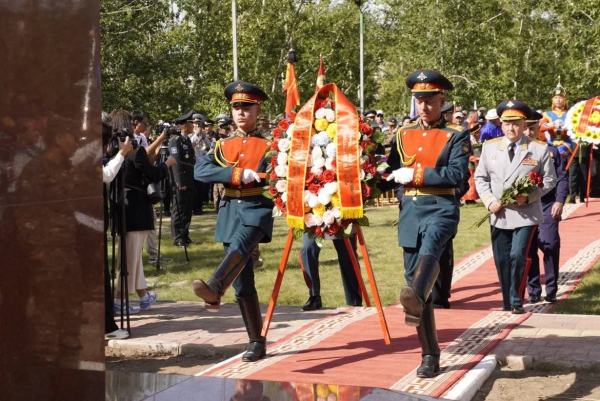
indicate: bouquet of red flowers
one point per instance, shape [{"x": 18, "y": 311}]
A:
[{"x": 521, "y": 186}]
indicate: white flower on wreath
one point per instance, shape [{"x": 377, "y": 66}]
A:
[
  {"x": 329, "y": 115},
  {"x": 289, "y": 131},
  {"x": 318, "y": 220},
  {"x": 319, "y": 162},
  {"x": 331, "y": 187},
  {"x": 281, "y": 171},
  {"x": 328, "y": 218},
  {"x": 309, "y": 220},
  {"x": 320, "y": 139},
  {"x": 316, "y": 152},
  {"x": 336, "y": 212},
  {"x": 362, "y": 175},
  {"x": 324, "y": 197},
  {"x": 312, "y": 200},
  {"x": 331, "y": 150},
  {"x": 282, "y": 158},
  {"x": 281, "y": 186},
  {"x": 284, "y": 197},
  {"x": 321, "y": 113},
  {"x": 306, "y": 195},
  {"x": 284, "y": 145},
  {"x": 316, "y": 170},
  {"x": 329, "y": 163}
]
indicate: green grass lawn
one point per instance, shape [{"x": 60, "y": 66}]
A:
[
  {"x": 585, "y": 300},
  {"x": 175, "y": 281}
]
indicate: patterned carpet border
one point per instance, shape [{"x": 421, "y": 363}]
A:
[
  {"x": 294, "y": 343},
  {"x": 462, "y": 354}
]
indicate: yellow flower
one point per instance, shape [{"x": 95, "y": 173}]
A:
[
  {"x": 333, "y": 388},
  {"x": 595, "y": 118},
  {"x": 335, "y": 200},
  {"x": 319, "y": 210},
  {"x": 579, "y": 135},
  {"x": 322, "y": 390},
  {"x": 331, "y": 131},
  {"x": 321, "y": 124}
]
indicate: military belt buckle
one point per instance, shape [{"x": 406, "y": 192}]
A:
[{"x": 238, "y": 193}]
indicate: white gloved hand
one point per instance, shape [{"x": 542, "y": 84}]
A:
[
  {"x": 248, "y": 176},
  {"x": 402, "y": 175}
]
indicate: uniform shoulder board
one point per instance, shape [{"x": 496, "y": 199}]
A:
[
  {"x": 493, "y": 140},
  {"x": 455, "y": 127}
]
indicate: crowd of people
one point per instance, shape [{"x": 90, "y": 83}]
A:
[{"x": 436, "y": 159}]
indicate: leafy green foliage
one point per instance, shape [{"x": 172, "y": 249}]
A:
[{"x": 167, "y": 57}]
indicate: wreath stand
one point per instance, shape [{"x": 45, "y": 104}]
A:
[{"x": 363, "y": 290}]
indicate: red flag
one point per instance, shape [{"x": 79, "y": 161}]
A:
[
  {"x": 290, "y": 87},
  {"x": 320, "y": 75}
]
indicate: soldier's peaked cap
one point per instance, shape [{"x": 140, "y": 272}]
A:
[
  {"x": 425, "y": 83},
  {"x": 535, "y": 117},
  {"x": 239, "y": 93},
  {"x": 512, "y": 109}
]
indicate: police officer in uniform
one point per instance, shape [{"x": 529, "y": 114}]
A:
[
  {"x": 504, "y": 160},
  {"x": 181, "y": 148},
  {"x": 547, "y": 237},
  {"x": 430, "y": 159},
  {"x": 245, "y": 216}
]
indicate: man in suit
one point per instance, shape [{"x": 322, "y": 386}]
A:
[
  {"x": 245, "y": 216},
  {"x": 504, "y": 160},
  {"x": 430, "y": 159},
  {"x": 181, "y": 148},
  {"x": 547, "y": 237}
]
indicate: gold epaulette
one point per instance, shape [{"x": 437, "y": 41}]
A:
[
  {"x": 493, "y": 140},
  {"x": 455, "y": 127}
]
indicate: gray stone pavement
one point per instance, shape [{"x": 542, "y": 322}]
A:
[
  {"x": 184, "y": 328},
  {"x": 549, "y": 341}
]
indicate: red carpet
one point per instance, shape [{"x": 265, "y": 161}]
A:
[{"x": 348, "y": 348}]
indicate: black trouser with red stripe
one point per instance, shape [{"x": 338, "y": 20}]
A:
[{"x": 511, "y": 252}]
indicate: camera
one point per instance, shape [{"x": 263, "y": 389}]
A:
[{"x": 119, "y": 136}]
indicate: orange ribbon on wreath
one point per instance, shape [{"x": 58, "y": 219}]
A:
[{"x": 347, "y": 164}]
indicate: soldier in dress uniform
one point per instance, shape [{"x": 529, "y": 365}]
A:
[
  {"x": 547, "y": 237},
  {"x": 265, "y": 128},
  {"x": 181, "y": 148},
  {"x": 430, "y": 159},
  {"x": 504, "y": 160},
  {"x": 245, "y": 216}
]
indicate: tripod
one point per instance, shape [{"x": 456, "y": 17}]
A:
[
  {"x": 163, "y": 157},
  {"x": 118, "y": 229}
]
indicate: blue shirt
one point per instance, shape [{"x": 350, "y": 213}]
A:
[{"x": 490, "y": 131}]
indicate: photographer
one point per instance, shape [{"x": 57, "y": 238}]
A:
[
  {"x": 139, "y": 218},
  {"x": 110, "y": 169}
]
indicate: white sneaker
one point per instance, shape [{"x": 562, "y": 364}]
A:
[
  {"x": 117, "y": 335},
  {"x": 132, "y": 309}
]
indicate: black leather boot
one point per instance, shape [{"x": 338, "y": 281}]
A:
[
  {"x": 413, "y": 297},
  {"x": 257, "y": 347},
  {"x": 430, "y": 363},
  {"x": 223, "y": 276}
]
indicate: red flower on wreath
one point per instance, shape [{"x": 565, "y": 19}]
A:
[
  {"x": 310, "y": 178},
  {"x": 275, "y": 146},
  {"x": 279, "y": 204},
  {"x": 273, "y": 175},
  {"x": 274, "y": 162},
  {"x": 345, "y": 223},
  {"x": 273, "y": 191},
  {"x": 366, "y": 129},
  {"x": 367, "y": 146},
  {"x": 367, "y": 191},
  {"x": 277, "y": 133},
  {"x": 284, "y": 124},
  {"x": 327, "y": 176},
  {"x": 333, "y": 228},
  {"x": 328, "y": 103},
  {"x": 370, "y": 169},
  {"x": 293, "y": 116},
  {"x": 314, "y": 188},
  {"x": 319, "y": 232}
]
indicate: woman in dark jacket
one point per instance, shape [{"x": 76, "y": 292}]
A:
[{"x": 139, "y": 219}]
